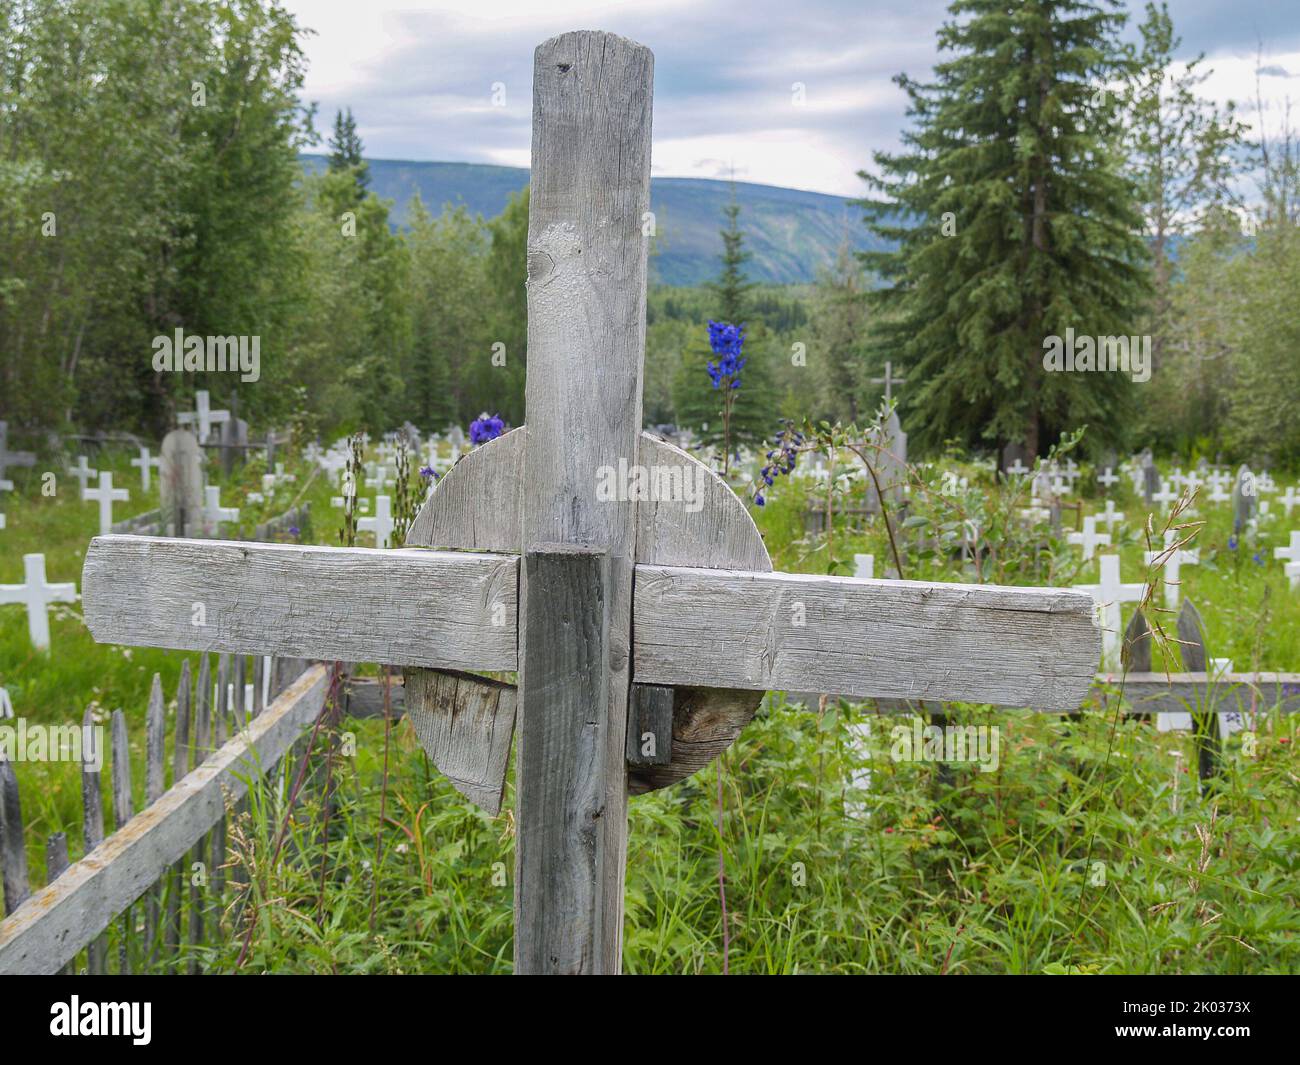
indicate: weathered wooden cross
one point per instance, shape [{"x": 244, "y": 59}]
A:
[{"x": 644, "y": 629}]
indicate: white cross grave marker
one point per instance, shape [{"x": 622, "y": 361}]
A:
[
  {"x": 145, "y": 462},
  {"x": 382, "y": 522},
  {"x": 1173, "y": 563},
  {"x": 1166, "y": 494},
  {"x": 203, "y": 415},
  {"x": 1109, "y": 516},
  {"x": 106, "y": 495},
  {"x": 36, "y": 595},
  {"x": 1292, "y": 554},
  {"x": 1089, "y": 539},
  {"x": 82, "y": 472},
  {"x": 214, "y": 513},
  {"x": 1108, "y": 594},
  {"x": 537, "y": 569},
  {"x": 1107, "y": 477},
  {"x": 1289, "y": 499},
  {"x": 889, "y": 380},
  {"x": 12, "y": 458}
]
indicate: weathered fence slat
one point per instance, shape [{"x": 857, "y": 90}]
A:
[
  {"x": 93, "y": 827},
  {"x": 180, "y": 766},
  {"x": 154, "y": 785},
  {"x": 122, "y": 812}
]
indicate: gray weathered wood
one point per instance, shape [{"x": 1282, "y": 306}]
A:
[
  {"x": 1205, "y": 718},
  {"x": 180, "y": 766},
  {"x": 478, "y": 506},
  {"x": 92, "y": 826},
  {"x": 259, "y": 682},
  {"x": 180, "y": 483},
  {"x": 123, "y": 809},
  {"x": 59, "y": 920},
  {"x": 298, "y": 601},
  {"x": 465, "y": 724},
  {"x": 561, "y": 775},
  {"x": 198, "y": 860},
  {"x": 1180, "y": 693},
  {"x": 154, "y": 786},
  {"x": 586, "y": 345},
  {"x": 56, "y": 863},
  {"x": 888, "y": 639},
  {"x": 13, "y": 849},
  {"x": 1137, "y": 643},
  {"x": 650, "y": 725}
]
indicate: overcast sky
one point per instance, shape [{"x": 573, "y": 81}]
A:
[{"x": 420, "y": 76}]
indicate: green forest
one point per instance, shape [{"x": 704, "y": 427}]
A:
[{"x": 150, "y": 182}]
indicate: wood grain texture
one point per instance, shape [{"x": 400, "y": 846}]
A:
[
  {"x": 13, "y": 847},
  {"x": 478, "y": 506},
  {"x": 650, "y": 726},
  {"x": 55, "y": 923},
  {"x": 590, "y": 189},
  {"x": 864, "y": 638},
  {"x": 402, "y": 607},
  {"x": 92, "y": 829},
  {"x": 561, "y": 775},
  {"x": 465, "y": 724},
  {"x": 1174, "y": 693}
]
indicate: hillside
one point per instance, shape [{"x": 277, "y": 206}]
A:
[{"x": 790, "y": 233}]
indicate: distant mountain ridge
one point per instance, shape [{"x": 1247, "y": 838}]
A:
[{"x": 790, "y": 233}]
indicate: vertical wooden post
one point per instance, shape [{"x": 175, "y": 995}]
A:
[
  {"x": 586, "y": 347},
  {"x": 562, "y": 768}
]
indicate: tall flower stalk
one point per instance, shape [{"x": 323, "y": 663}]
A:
[{"x": 727, "y": 341}]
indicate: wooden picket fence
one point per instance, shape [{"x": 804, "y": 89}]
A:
[{"x": 219, "y": 743}]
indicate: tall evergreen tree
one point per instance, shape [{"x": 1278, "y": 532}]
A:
[
  {"x": 347, "y": 151},
  {"x": 1012, "y": 222},
  {"x": 732, "y": 287}
]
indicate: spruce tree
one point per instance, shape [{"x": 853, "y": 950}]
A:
[
  {"x": 1012, "y": 222},
  {"x": 346, "y": 150},
  {"x": 732, "y": 287}
]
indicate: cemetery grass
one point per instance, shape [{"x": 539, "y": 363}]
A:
[{"x": 1087, "y": 850}]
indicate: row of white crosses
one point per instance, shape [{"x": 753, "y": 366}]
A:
[{"x": 557, "y": 563}]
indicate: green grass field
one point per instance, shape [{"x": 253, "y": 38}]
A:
[{"x": 1088, "y": 849}]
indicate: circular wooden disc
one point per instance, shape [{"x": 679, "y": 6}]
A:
[{"x": 476, "y": 507}]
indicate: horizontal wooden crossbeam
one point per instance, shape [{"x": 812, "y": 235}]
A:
[
  {"x": 407, "y": 607},
  {"x": 692, "y": 627},
  {"x": 864, "y": 638}
]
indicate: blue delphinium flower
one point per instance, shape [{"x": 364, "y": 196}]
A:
[
  {"x": 1232, "y": 542},
  {"x": 727, "y": 342},
  {"x": 486, "y": 427},
  {"x": 1258, "y": 558},
  {"x": 781, "y": 459},
  {"x": 428, "y": 473}
]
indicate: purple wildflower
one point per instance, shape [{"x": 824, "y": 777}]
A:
[{"x": 486, "y": 427}]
